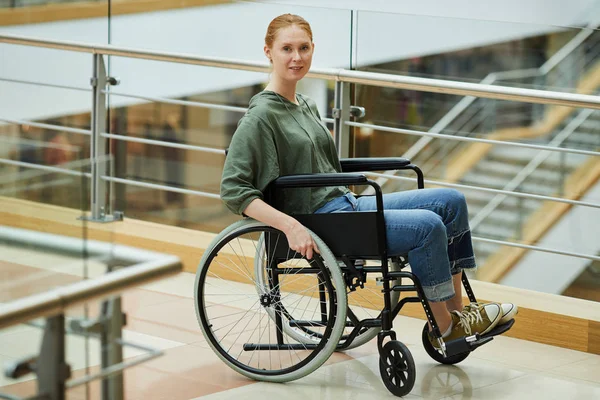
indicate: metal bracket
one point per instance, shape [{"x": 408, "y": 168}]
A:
[
  {"x": 18, "y": 369},
  {"x": 357, "y": 111},
  {"x": 88, "y": 326},
  {"x": 113, "y": 80},
  {"x": 116, "y": 216},
  {"x": 110, "y": 80}
]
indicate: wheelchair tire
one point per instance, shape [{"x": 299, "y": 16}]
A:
[
  {"x": 397, "y": 368},
  {"x": 436, "y": 354},
  {"x": 231, "y": 304},
  {"x": 305, "y": 335}
]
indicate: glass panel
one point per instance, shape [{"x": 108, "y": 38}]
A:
[{"x": 45, "y": 105}]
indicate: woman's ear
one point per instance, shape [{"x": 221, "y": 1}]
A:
[{"x": 268, "y": 53}]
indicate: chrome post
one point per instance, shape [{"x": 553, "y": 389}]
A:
[
  {"x": 97, "y": 142},
  {"x": 51, "y": 367},
  {"x": 341, "y": 113},
  {"x": 112, "y": 349}
]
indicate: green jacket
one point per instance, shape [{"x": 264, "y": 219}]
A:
[{"x": 275, "y": 138}]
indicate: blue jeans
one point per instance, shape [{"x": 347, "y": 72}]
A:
[{"x": 430, "y": 225}]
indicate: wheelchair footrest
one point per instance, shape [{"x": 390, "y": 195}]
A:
[
  {"x": 465, "y": 344},
  {"x": 500, "y": 329},
  {"x": 470, "y": 343},
  {"x": 275, "y": 346}
]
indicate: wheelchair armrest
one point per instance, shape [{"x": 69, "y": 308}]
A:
[
  {"x": 381, "y": 163},
  {"x": 373, "y": 164},
  {"x": 315, "y": 180}
]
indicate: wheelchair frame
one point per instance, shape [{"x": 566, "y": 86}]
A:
[
  {"x": 346, "y": 243},
  {"x": 320, "y": 223}
]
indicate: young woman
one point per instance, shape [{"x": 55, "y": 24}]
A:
[{"x": 282, "y": 134}]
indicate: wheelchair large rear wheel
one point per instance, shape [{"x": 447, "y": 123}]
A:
[{"x": 243, "y": 317}]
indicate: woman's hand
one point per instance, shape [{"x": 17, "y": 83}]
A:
[
  {"x": 300, "y": 240},
  {"x": 297, "y": 235}
]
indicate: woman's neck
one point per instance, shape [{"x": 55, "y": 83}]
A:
[{"x": 287, "y": 90}]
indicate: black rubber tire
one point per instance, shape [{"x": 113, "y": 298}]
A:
[{"x": 397, "y": 368}]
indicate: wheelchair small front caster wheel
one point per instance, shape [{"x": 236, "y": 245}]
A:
[
  {"x": 397, "y": 368},
  {"x": 436, "y": 354}
]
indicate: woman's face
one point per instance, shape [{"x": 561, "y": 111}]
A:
[{"x": 291, "y": 53}]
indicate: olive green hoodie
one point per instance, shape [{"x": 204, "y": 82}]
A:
[{"x": 275, "y": 138}]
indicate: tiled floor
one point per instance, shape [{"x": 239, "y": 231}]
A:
[{"x": 162, "y": 316}]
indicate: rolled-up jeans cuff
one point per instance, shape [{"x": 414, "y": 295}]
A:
[
  {"x": 464, "y": 263},
  {"x": 440, "y": 292}
]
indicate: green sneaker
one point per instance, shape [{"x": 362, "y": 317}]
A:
[
  {"x": 479, "y": 319},
  {"x": 509, "y": 311}
]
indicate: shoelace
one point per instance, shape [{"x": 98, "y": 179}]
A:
[
  {"x": 467, "y": 318},
  {"x": 472, "y": 305}
]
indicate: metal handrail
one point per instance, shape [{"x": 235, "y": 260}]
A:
[
  {"x": 47, "y": 126},
  {"x": 44, "y": 167},
  {"x": 179, "y": 102},
  {"x": 536, "y": 248},
  {"x": 43, "y": 84},
  {"x": 161, "y": 187},
  {"x": 148, "y": 266},
  {"x": 163, "y": 143},
  {"x": 39, "y": 143},
  {"x": 489, "y": 190},
  {"x": 472, "y": 140},
  {"x": 341, "y": 75},
  {"x": 21, "y": 176}
]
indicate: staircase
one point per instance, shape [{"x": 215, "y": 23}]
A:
[{"x": 503, "y": 163}]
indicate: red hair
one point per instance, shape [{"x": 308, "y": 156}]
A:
[{"x": 283, "y": 21}]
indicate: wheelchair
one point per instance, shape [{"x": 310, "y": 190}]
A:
[{"x": 273, "y": 315}]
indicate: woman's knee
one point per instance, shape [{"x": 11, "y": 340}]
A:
[
  {"x": 431, "y": 227},
  {"x": 454, "y": 199}
]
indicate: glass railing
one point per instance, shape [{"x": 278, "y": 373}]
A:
[
  {"x": 43, "y": 188},
  {"x": 168, "y": 123}
]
